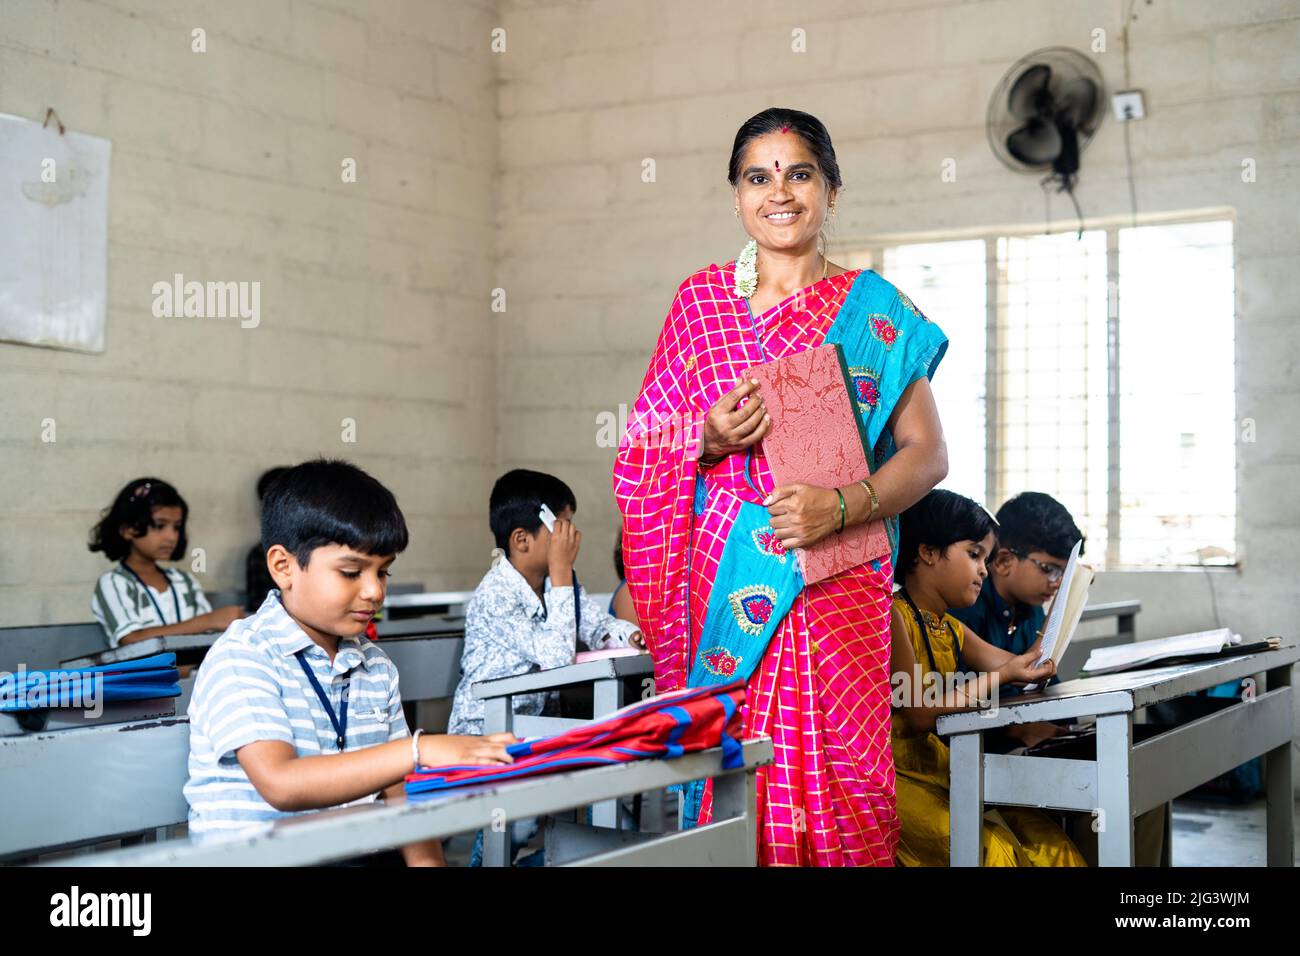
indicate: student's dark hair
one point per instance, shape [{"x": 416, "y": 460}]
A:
[
  {"x": 808, "y": 127},
  {"x": 1033, "y": 521},
  {"x": 618, "y": 558},
  {"x": 133, "y": 507},
  {"x": 939, "y": 519},
  {"x": 324, "y": 502},
  {"x": 518, "y": 496},
  {"x": 267, "y": 477}
]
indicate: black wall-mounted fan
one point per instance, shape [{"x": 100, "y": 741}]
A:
[{"x": 1044, "y": 112}]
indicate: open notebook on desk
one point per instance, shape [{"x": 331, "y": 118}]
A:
[{"x": 1201, "y": 645}]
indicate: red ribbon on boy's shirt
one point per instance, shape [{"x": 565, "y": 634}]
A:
[{"x": 667, "y": 726}]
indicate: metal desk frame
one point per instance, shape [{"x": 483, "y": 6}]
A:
[
  {"x": 87, "y": 785},
  {"x": 428, "y": 599},
  {"x": 428, "y": 665},
  {"x": 606, "y": 677},
  {"x": 1125, "y": 612},
  {"x": 179, "y": 644},
  {"x": 1126, "y": 778},
  {"x": 330, "y": 835}
]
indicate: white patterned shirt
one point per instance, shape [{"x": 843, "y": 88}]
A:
[{"x": 510, "y": 631}]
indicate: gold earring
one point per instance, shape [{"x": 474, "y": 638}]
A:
[{"x": 737, "y": 212}]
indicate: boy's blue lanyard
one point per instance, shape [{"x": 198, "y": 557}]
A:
[
  {"x": 176, "y": 598},
  {"x": 577, "y": 607},
  {"x": 340, "y": 721}
]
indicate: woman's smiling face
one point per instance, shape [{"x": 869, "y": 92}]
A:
[{"x": 782, "y": 194}]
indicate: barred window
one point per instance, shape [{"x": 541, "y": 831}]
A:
[{"x": 1096, "y": 368}]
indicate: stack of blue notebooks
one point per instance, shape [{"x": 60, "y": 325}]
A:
[{"x": 79, "y": 687}]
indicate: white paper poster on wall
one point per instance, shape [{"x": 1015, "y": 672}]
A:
[{"x": 53, "y": 235}]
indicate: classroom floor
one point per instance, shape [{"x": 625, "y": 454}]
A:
[
  {"x": 1218, "y": 834},
  {"x": 1206, "y": 833}
]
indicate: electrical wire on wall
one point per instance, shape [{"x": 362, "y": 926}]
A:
[{"x": 1128, "y": 85}]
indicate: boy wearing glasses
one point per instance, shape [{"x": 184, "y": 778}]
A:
[{"x": 1035, "y": 537}]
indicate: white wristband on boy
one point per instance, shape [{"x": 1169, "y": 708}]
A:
[{"x": 415, "y": 748}]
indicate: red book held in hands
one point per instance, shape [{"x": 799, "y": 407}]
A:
[{"x": 818, "y": 439}]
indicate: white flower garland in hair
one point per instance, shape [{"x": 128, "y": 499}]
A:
[{"x": 746, "y": 271}]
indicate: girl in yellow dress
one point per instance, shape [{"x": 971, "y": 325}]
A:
[{"x": 944, "y": 541}]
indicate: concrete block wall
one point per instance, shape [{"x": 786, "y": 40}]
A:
[
  {"x": 592, "y": 255},
  {"x": 523, "y": 170},
  {"x": 227, "y": 166}
]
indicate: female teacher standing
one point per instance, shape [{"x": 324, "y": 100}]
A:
[{"x": 706, "y": 535}]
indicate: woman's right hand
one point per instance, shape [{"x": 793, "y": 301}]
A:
[{"x": 728, "y": 428}]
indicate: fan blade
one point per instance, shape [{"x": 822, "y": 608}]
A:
[
  {"x": 1028, "y": 95},
  {"x": 1067, "y": 161},
  {"x": 1036, "y": 143},
  {"x": 1076, "y": 102}
]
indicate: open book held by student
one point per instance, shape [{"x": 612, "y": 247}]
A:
[{"x": 1065, "y": 610}]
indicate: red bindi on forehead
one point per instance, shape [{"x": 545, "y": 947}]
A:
[{"x": 785, "y": 129}]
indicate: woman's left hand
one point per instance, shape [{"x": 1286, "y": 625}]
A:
[{"x": 803, "y": 514}]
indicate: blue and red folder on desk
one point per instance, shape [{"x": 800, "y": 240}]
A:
[
  {"x": 663, "y": 727},
  {"x": 143, "y": 679}
]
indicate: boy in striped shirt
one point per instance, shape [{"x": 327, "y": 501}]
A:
[{"x": 293, "y": 710}]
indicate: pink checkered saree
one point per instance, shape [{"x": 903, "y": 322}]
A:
[{"x": 821, "y": 690}]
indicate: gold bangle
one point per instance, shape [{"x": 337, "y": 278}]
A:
[{"x": 875, "y": 500}]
